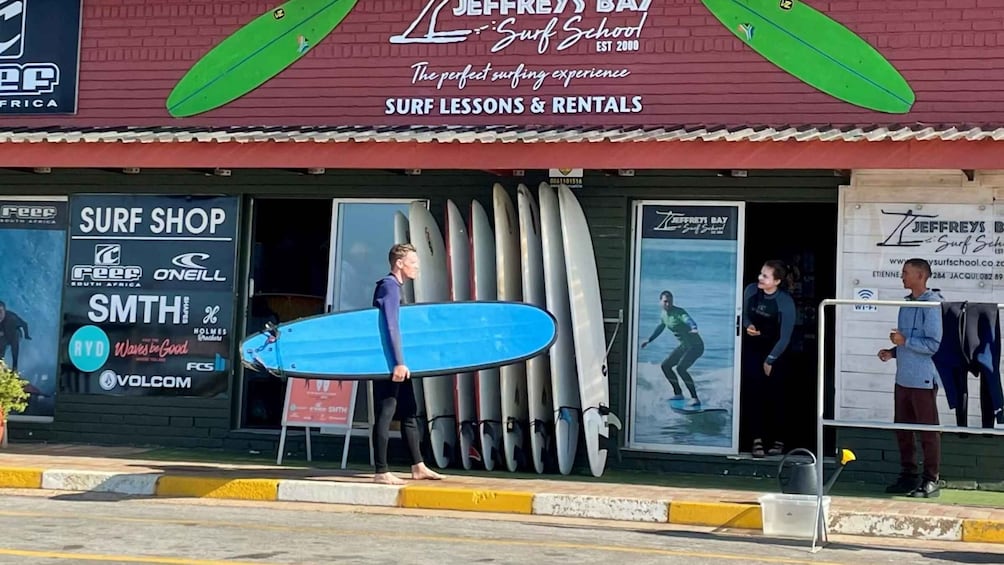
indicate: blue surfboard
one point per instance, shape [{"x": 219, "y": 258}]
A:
[{"x": 438, "y": 339}]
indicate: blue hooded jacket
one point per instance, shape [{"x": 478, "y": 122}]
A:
[{"x": 922, "y": 328}]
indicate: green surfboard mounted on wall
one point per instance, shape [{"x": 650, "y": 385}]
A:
[
  {"x": 255, "y": 53},
  {"x": 817, "y": 50}
]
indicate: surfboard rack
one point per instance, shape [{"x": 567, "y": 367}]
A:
[{"x": 618, "y": 320}]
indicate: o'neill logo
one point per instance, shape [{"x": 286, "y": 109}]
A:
[
  {"x": 110, "y": 380},
  {"x": 189, "y": 267},
  {"x": 23, "y": 81}
]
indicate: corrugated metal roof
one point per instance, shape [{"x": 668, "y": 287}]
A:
[{"x": 501, "y": 134}]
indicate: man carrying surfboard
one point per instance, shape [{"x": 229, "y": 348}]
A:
[
  {"x": 395, "y": 397},
  {"x": 690, "y": 348}
]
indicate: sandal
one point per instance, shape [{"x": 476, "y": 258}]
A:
[
  {"x": 776, "y": 449},
  {"x": 758, "y": 449}
]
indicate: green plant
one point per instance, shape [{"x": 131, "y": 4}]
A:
[{"x": 13, "y": 397}]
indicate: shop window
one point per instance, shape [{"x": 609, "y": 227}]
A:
[{"x": 310, "y": 257}]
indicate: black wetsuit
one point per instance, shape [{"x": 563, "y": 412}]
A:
[
  {"x": 773, "y": 315},
  {"x": 391, "y": 399},
  {"x": 10, "y": 336}
]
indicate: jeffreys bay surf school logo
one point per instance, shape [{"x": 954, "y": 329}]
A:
[
  {"x": 670, "y": 222},
  {"x": 507, "y": 22}
]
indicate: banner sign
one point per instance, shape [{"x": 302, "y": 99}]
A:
[
  {"x": 39, "y": 52},
  {"x": 33, "y": 247},
  {"x": 963, "y": 241},
  {"x": 684, "y": 365},
  {"x": 319, "y": 403},
  {"x": 150, "y": 294}
]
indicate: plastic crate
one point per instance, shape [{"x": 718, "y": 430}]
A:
[{"x": 791, "y": 515}]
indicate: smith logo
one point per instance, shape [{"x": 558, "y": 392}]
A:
[{"x": 12, "y": 18}]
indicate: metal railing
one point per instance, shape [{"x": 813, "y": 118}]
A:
[{"x": 820, "y": 530}]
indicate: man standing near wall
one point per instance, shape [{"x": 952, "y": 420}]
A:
[{"x": 915, "y": 341}]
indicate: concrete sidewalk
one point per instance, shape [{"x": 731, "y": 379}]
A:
[{"x": 123, "y": 470}]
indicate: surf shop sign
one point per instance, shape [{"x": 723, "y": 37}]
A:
[
  {"x": 39, "y": 48},
  {"x": 523, "y": 61}
]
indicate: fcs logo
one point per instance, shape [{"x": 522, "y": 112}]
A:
[
  {"x": 12, "y": 23},
  {"x": 219, "y": 364},
  {"x": 107, "y": 254}
]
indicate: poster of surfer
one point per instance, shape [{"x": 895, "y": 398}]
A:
[
  {"x": 684, "y": 361},
  {"x": 33, "y": 240}
]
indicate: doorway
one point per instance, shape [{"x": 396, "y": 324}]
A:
[{"x": 804, "y": 236}]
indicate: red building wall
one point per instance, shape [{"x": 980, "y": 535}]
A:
[{"x": 688, "y": 69}]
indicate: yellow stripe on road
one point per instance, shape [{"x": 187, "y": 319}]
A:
[
  {"x": 118, "y": 558},
  {"x": 986, "y": 531},
  {"x": 238, "y": 489},
  {"x": 15, "y": 477},
  {"x": 717, "y": 514},
  {"x": 433, "y": 498}
]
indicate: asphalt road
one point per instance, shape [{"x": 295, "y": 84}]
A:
[{"x": 58, "y": 527}]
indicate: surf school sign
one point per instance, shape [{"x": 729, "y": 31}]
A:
[
  {"x": 524, "y": 61},
  {"x": 39, "y": 51}
]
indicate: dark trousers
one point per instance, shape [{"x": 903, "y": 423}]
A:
[
  {"x": 395, "y": 401},
  {"x": 675, "y": 366},
  {"x": 918, "y": 406},
  {"x": 764, "y": 396},
  {"x": 15, "y": 348}
]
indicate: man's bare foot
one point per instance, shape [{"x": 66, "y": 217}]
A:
[
  {"x": 387, "y": 479},
  {"x": 420, "y": 472}
]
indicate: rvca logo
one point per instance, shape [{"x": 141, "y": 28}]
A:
[{"x": 12, "y": 18}]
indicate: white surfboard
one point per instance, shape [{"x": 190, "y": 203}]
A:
[
  {"x": 566, "y": 405},
  {"x": 458, "y": 260},
  {"x": 538, "y": 369},
  {"x": 515, "y": 414},
  {"x": 432, "y": 285},
  {"x": 587, "y": 329},
  {"x": 401, "y": 235},
  {"x": 484, "y": 287}
]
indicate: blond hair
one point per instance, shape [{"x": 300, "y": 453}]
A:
[{"x": 399, "y": 251}]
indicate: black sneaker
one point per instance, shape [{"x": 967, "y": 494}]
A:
[
  {"x": 929, "y": 489},
  {"x": 905, "y": 484}
]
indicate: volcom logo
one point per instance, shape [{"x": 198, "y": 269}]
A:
[{"x": 12, "y": 18}]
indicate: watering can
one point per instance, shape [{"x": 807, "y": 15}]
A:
[{"x": 801, "y": 478}]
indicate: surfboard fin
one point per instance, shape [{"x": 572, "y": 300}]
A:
[{"x": 612, "y": 445}]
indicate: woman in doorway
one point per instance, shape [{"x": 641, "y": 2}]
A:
[{"x": 768, "y": 319}]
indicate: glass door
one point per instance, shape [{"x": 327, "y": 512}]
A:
[{"x": 684, "y": 347}]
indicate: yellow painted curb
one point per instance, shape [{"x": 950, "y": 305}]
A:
[
  {"x": 512, "y": 502},
  {"x": 17, "y": 477},
  {"x": 202, "y": 487},
  {"x": 718, "y": 514},
  {"x": 985, "y": 531}
]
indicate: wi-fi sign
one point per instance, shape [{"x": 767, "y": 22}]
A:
[{"x": 865, "y": 294}]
